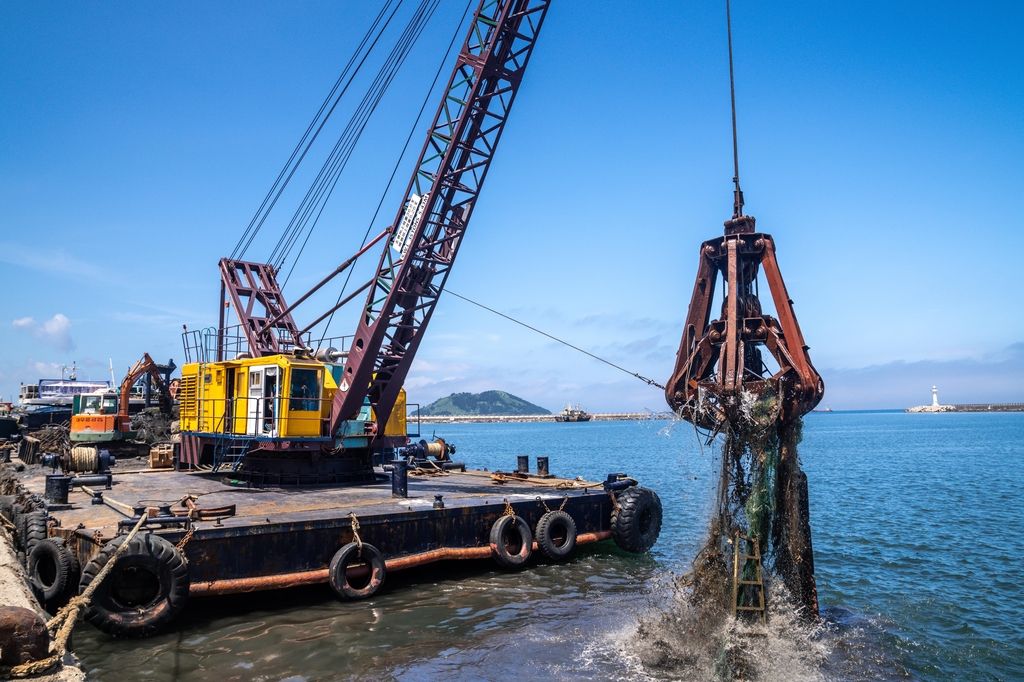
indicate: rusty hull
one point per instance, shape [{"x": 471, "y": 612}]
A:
[{"x": 286, "y": 537}]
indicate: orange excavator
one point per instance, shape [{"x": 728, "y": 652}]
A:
[{"x": 100, "y": 422}]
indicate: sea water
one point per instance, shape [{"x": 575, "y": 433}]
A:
[{"x": 918, "y": 550}]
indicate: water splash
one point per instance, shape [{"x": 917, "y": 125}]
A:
[{"x": 684, "y": 640}]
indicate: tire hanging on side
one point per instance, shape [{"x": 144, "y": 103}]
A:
[
  {"x": 354, "y": 553},
  {"x": 636, "y": 520},
  {"x": 53, "y": 571},
  {"x": 511, "y": 541},
  {"x": 556, "y": 535},
  {"x": 145, "y": 590}
]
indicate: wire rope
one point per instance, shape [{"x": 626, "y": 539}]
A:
[
  {"x": 650, "y": 382},
  {"x": 394, "y": 171},
  {"x": 738, "y": 197},
  {"x": 264, "y": 210},
  {"x": 323, "y": 186}
]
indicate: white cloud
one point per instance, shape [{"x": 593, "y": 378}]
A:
[{"x": 55, "y": 332}]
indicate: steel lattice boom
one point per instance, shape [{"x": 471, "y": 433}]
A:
[{"x": 438, "y": 204}]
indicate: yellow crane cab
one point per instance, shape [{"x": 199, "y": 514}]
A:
[{"x": 273, "y": 398}]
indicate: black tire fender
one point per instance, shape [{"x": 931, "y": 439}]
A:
[
  {"x": 636, "y": 520},
  {"x": 35, "y": 530},
  {"x": 18, "y": 519},
  {"x": 345, "y": 557},
  {"x": 556, "y": 535},
  {"x": 144, "y": 591},
  {"x": 53, "y": 570},
  {"x": 511, "y": 541}
]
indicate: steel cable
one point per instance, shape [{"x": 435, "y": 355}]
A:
[
  {"x": 398, "y": 163},
  {"x": 642, "y": 378},
  {"x": 326, "y": 180},
  {"x": 264, "y": 210}
]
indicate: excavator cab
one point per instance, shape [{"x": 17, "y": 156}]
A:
[{"x": 100, "y": 402}]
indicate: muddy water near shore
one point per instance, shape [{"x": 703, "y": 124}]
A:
[{"x": 916, "y": 541}]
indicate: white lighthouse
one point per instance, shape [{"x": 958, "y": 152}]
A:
[{"x": 935, "y": 406}]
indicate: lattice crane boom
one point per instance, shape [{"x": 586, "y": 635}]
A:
[{"x": 438, "y": 205}]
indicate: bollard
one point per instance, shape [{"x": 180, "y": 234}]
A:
[
  {"x": 399, "y": 478},
  {"x": 542, "y": 466},
  {"x": 57, "y": 488},
  {"x": 524, "y": 464}
]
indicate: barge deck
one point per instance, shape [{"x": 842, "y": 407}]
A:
[
  {"x": 281, "y": 537},
  {"x": 204, "y": 534}
]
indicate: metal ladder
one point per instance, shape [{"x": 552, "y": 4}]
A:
[
  {"x": 738, "y": 582},
  {"x": 229, "y": 452}
]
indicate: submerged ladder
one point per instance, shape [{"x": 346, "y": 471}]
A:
[{"x": 740, "y": 583}]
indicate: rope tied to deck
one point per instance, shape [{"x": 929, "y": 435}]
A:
[
  {"x": 63, "y": 622},
  {"x": 355, "y": 534}
]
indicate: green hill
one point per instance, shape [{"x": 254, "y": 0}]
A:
[{"x": 486, "y": 403}]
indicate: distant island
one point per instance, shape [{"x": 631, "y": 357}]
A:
[{"x": 483, "y": 404}]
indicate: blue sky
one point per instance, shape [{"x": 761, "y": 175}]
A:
[{"x": 880, "y": 143}]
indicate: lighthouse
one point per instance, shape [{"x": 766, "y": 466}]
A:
[{"x": 935, "y": 397}]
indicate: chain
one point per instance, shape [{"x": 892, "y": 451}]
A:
[
  {"x": 509, "y": 511},
  {"x": 184, "y": 541},
  {"x": 565, "y": 499},
  {"x": 355, "y": 534}
]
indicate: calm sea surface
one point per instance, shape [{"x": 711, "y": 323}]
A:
[{"x": 919, "y": 548}]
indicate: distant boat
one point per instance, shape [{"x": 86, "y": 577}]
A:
[
  {"x": 572, "y": 414},
  {"x": 828, "y": 407}
]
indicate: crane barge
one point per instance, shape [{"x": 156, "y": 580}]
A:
[{"x": 295, "y": 466}]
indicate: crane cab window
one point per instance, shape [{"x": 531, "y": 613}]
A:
[
  {"x": 305, "y": 390},
  {"x": 90, "y": 404}
]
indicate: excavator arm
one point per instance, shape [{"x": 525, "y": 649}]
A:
[{"x": 141, "y": 368}]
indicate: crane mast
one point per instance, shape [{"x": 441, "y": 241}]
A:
[{"x": 438, "y": 205}]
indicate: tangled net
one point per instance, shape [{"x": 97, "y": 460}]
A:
[{"x": 754, "y": 499}]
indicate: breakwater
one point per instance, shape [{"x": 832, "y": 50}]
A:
[
  {"x": 996, "y": 407},
  {"x": 487, "y": 418},
  {"x": 973, "y": 407}
]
